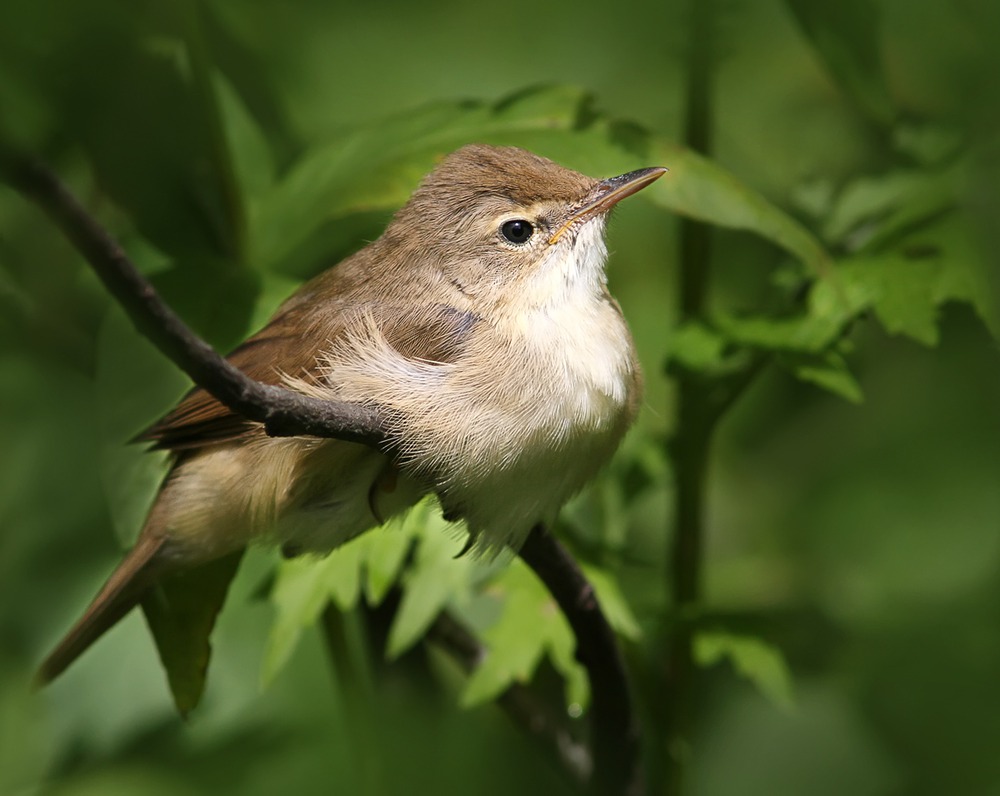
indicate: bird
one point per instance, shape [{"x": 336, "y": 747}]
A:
[{"x": 480, "y": 326}]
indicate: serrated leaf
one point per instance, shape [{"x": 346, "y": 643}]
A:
[
  {"x": 751, "y": 657},
  {"x": 828, "y": 371},
  {"x": 302, "y": 588},
  {"x": 530, "y": 625},
  {"x": 872, "y": 209},
  {"x": 387, "y": 548},
  {"x": 298, "y": 595},
  {"x": 436, "y": 579}
]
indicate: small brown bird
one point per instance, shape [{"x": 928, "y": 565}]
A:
[{"x": 479, "y": 324}]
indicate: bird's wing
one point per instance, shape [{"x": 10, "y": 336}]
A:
[{"x": 431, "y": 333}]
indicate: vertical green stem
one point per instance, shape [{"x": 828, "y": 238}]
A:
[{"x": 689, "y": 448}]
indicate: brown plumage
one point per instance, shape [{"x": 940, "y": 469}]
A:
[{"x": 504, "y": 367}]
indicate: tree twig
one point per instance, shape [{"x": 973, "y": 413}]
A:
[
  {"x": 518, "y": 702},
  {"x": 614, "y": 741},
  {"x": 614, "y": 729},
  {"x": 284, "y": 413}
]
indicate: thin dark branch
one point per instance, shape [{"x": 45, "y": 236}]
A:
[
  {"x": 284, "y": 413},
  {"x": 614, "y": 729},
  {"x": 518, "y": 701}
]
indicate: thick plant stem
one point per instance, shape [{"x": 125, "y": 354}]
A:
[{"x": 689, "y": 447}]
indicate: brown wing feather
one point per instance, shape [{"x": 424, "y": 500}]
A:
[
  {"x": 433, "y": 333},
  {"x": 199, "y": 419}
]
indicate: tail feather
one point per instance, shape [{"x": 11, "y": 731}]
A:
[{"x": 119, "y": 595}]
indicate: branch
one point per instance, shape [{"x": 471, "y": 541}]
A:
[
  {"x": 287, "y": 413},
  {"x": 521, "y": 705},
  {"x": 614, "y": 729},
  {"x": 284, "y": 413}
]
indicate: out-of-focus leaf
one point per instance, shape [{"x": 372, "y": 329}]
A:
[
  {"x": 530, "y": 626},
  {"x": 699, "y": 188},
  {"x": 248, "y": 148},
  {"x": 828, "y": 371},
  {"x": 181, "y": 612},
  {"x": 696, "y": 347},
  {"x": 252, "y": 82},
  {"x": 873, "y": 209},
  {"x": 378, "y": 167},
  {"x": 848, "y": 36},
  {"x": 134, "y": 385},
  {"x": 753, "y": 658}
]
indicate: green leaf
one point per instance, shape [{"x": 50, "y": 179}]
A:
[
  {"x": 377, "y": 168},
  {"x": 905, "y": 288},
  {"x": 529, "y": 626},
  {"x": 752, "y": 658},
  {"x": 696, "y": 347},
  {"x": 701, "y": 189},
  {"x": 613, "y": 603},
  {"x": 436, "y": 579},
  {"x": 828, "y": 371},
  {"x": 872, "y": 209},
  {"x": 847, "y": 35},
  {"x": 181, "y": 612},
  {"x": 299, "y": 594},
  {"x": 251, "y": 157},
  {"x": 302, "y": 588},
  {"x": 386, "y": 551}
]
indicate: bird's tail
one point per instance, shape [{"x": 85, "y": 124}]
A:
[{"x": 119, "y": 595}]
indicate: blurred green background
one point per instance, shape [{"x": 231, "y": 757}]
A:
[{"x": 859, "y": 540}]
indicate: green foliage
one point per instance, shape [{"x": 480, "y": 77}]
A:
[
  {"x": 237, "y": 149},
  {"x": 529, "y": 628},
  {"x": 752, "y": 658}
]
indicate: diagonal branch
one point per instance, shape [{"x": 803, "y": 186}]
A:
[
  {"x": 614, "y": 733},
  {"x": 614, "y": 729},
  {"x": 284, "y": 413},
  {"x": 519, "y": 702}
]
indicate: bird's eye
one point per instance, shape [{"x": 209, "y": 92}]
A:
[{"x": 517, "y": 230}]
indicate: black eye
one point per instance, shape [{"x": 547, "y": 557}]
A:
[{"x": 517, "y": 231}]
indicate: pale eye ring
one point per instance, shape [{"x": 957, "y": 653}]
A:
[{"x": 517, "y": 230}]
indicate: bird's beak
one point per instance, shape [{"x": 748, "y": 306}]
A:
[{"x": 607, "y": 193}]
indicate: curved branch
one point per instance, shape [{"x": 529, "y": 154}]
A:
[
  {"x": 522, "y": 706},
  {"x": 614, "y": 729},
  {"x": 284, "y": 413}
]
